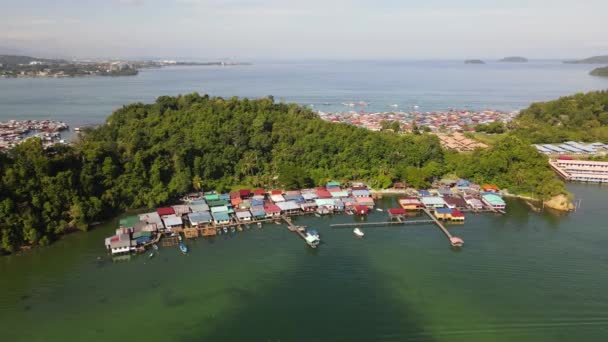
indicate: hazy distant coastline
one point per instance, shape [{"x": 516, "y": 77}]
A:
[{"x": 13, "y": 66}]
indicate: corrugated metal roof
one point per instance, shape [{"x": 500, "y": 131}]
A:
[
  {"x": 200, "y": 217},
  {"x": 221, "y": 216}
]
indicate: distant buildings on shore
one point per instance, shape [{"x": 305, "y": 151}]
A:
[
  {"x": 437, "y": 122},
  {"x": 14, "y": 132}
]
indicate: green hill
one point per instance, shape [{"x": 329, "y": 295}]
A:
[
  {"x": 601, "y": 72},
  {"x": 147, "y": 155},
  {"x": 581, "y": 117}
]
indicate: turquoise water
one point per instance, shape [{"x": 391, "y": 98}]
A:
[
  {"x": 520, "y": 277},
  {"x": 431, "y": 85}
]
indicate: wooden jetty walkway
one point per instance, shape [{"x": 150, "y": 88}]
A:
[
  {"x": 292, "y": 227},
  {"x": 381, "y": 224},
  {"x": 454, "y": 241}
]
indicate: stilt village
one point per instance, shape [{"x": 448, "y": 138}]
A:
[{"x": 210, "y": 214}]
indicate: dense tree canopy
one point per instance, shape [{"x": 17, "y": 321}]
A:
[
  {"x": 511, "y": 164},
  {"x": 581, "y": 117},
  {"x": 146, "y": 155}
]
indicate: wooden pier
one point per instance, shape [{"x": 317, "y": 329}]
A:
[
  {"x": 454, "y": 241},
  {"x": 296, "y": 229},
  {"x": 381, "y": 224}
]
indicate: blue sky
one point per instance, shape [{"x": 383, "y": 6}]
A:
[{"x": 275, "y": 29}]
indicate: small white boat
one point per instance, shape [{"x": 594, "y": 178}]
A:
[
  {"x": 151, "y": 255},
  {"x": 155, "y": 247},
  {"x": 225, "y": 230},
  {"x": 379, "y": 209},
  {"x": 312, "y": 240},
  {"x": 358, "y": 232},
  {"x": 259, "y": 224}
]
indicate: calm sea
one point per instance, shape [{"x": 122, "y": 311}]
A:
[
  {"x": 520, "y": 277},
  {"x": 431, "y": 85}
]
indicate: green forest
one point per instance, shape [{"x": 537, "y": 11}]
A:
[
  {"x": 581, "y": 117},
  {"x": 147, "y": 155}
]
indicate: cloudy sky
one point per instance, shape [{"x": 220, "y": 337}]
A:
[{"x": 301, "y": 29}]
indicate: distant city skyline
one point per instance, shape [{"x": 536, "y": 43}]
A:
[{"x": 313, "y": 29}]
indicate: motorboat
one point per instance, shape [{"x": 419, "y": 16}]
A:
[
  {"x": 225, "y": 230},
  {"x": 312, "y": 238},
  {"x": 183, "y": 247},
  {"x": 259, "y": 224},
  {"x": 358, "y": 232},
  {"x": 155, "y": 247},
  {"x": 151, "y": 255},
  {"x": 379, "y": 209}
]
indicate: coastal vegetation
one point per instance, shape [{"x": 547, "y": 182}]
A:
[
  {"x": 146, "y": 155},
  {"x": 601, "y": 72},
  {"x": 581, "y": 117}
]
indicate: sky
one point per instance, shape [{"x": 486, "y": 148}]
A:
[{"x": 304, "y": 29}]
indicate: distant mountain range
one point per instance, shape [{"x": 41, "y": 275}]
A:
[{"x": 590, "y": 60}]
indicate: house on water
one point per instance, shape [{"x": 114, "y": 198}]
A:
[
  {"x": 221, "y": 217},
  {"x": 494, "y": 201},
  {"x": 173, "y": 222},
  {"x": 433, "y": 202}
]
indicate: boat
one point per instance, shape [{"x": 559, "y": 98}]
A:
[
  {"x": 317, "y": 215},
  {"x": 179, "y": 237},
  {"x": 183, "y": 247},
  {"x": 155, "y": 247},
  {"x": 358, "y": 232},
  {"x": 312, "y": 238},
  {"x": 232, "y": 229},
  {"x": 151, "y": 255},
  {"x": 225, "y": 230},
  {"x": 312, "y": 232},
  {"x": 259, "y": 224},
  {"x": 379, "y": 209}
]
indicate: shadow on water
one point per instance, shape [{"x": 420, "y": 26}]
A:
[{"x": 313, "y": 302}]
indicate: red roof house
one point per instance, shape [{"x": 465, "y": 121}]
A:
[{"x": 165, "y": 211}]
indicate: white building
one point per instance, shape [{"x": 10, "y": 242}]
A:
[{"x": 581, "y": 170}]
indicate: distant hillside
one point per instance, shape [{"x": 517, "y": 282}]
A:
[
  {"x": 601, "y": 72},
  {"x": 474, "y": 61},
  {"x": 590, "y": 60},
  {"x": 581, "y": 117},
  {"x": 514, "y": 59},
  {"x": 11, "y": 60}
]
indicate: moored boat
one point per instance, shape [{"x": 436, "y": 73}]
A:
[
  {"x": 358, "y": 232},
  {"x": 183, "y": 247},
  {"x": 312, "y": 238}
]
